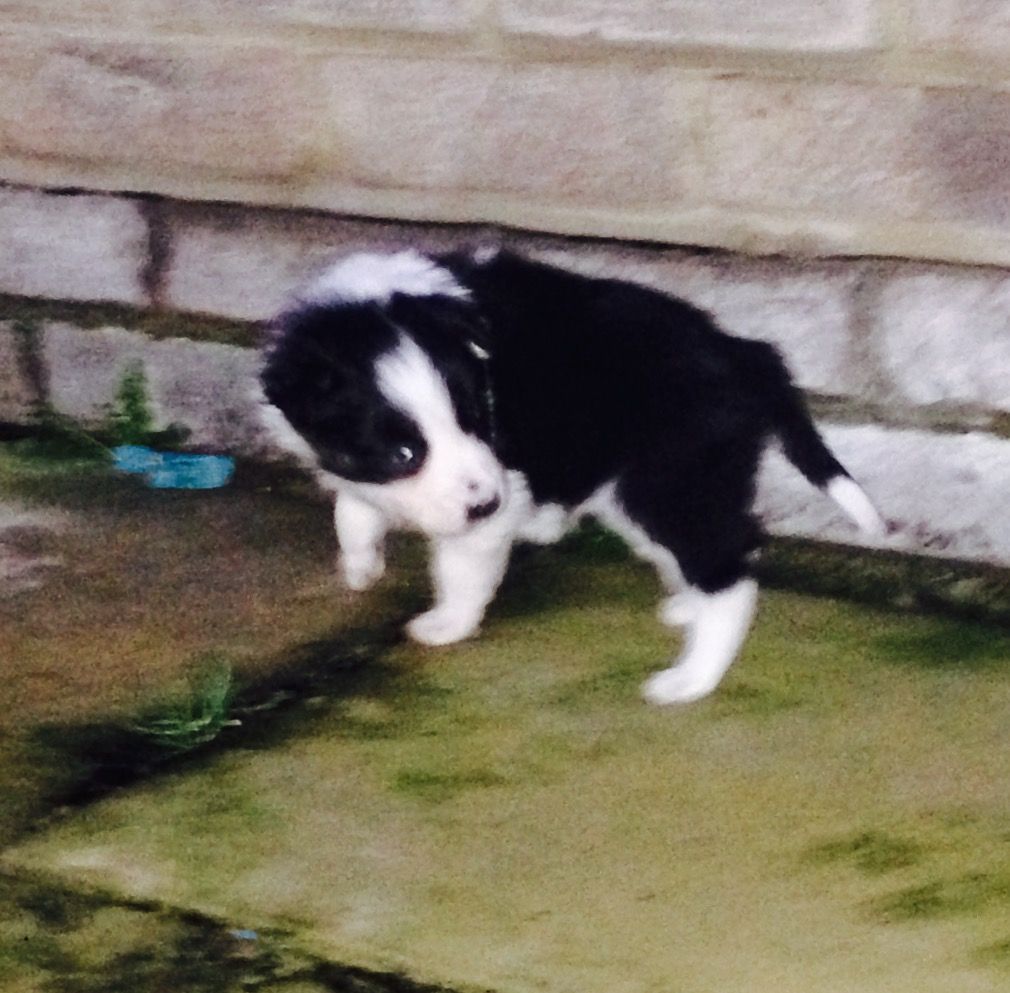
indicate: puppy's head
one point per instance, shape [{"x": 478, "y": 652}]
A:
[{"x": 387, "y": 392}]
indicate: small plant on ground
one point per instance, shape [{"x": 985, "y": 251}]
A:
[
  {"x": 130, "y": 419},
  {"x": 194, "y": 718}
]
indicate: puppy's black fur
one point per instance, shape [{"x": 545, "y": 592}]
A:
[{"x": 597, "y": 380}]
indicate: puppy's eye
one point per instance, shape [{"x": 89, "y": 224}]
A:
[{"x": 404, "y": 456}]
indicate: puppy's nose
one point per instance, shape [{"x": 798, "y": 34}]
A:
[{"x": 481, "y": 510}]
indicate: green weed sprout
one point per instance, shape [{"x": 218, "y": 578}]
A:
[
  {"x": 191, "y": 720},
  {"x": 130, "y": 420}
]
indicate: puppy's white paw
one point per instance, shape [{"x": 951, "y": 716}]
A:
[
  {"x": 442, "y": 626},
  {"x": 678, "y": 684},
  {"x": 361, "y": 570},
  {"x": 680, "y": 609}
]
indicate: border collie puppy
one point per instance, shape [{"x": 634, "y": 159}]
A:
[{"x": 484, "y": 399}]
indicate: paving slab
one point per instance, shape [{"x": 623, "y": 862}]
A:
[{"x": 508, "y": 815}]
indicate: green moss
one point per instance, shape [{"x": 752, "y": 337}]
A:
[
  {"x": 995, "y": 955},
  {"x": 437, "y": 787},
  {"x": 1000, "y": 424},
  {"x": 872, "y": 852},
  {"x": 967, "y": 894},
  {"x": 618, "y": 678},
  {"x": 944, "y": 644},
  {"x": 891, "y": 580},
  {"x": 752, "y": 700}
]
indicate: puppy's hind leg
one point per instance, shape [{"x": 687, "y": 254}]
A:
[
  {"x": 715, "y": 632},
  {"x": 361, "y": 529},
  {"x": 700, "y": 515}
]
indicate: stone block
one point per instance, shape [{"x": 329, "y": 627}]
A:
[
  {"x": 17, "y": 397},
  {"x": 244, "y": 263},
  {"x": 242, "y": 17},
  {"x": 863, "y": 152},
  {"x": 71, "y": 247},
  {"x": 235, "y": 111},
  {"x": 944, "y": 336},
  {"x": 801, "y": 145},
  {"x": 960, "y": 146},
  {"x": 972, "y": 26},
  {"x": 270, "y": 15},
  {"x": 85, "y": 368},
  {"x": 610, "y": 134},
  {"x": 209, "y": 389},
  {"x": 780, "y": 24},
  {"x": 944, "y": 494},
  {"x": 806, "y": 310}
]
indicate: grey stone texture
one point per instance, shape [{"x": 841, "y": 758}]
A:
[
  {"x": 82, "y": 247},
  {"x": 867, "y": 127},
  {"x": 390, "y": 15},
  {"x": 944, "y": 337},
  {"x": 979, "y": 27},
  {"x": 574, "y": 133},
  {"x": 16, "y": 393},
  {"x": 159, "y": 107},
  {"x": 208, "y": 388},
  {"x": 781, "y": 24},
  {"x": 240, "y": 263},
  {"x": 943, "y": 494},
  {"x": 873, "y": 151},
  {"x": 251, "y": 15}
]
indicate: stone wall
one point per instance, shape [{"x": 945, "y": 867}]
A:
[
  {"x": 834, "y": 172},
  {"x": 906, "y": 362},
  {"x": 877, "y": 127}
]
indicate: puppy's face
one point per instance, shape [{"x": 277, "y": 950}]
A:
[{"x": 391, "y": 400}]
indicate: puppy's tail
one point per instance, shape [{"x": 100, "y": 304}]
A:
[{"x": 807, "y": 450}]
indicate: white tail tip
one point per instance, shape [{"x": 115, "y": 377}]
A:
[{"x": 849, "y": 495}]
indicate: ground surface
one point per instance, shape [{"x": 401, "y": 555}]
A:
[{"x": 504, "y": 815}]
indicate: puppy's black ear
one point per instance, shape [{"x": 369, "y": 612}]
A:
[{"x": 435, "y": 317}]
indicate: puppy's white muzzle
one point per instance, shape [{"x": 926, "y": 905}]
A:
[{"x": 459, "y": 487}]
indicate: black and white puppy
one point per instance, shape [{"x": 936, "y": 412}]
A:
[{"x": 484, "y": 399}]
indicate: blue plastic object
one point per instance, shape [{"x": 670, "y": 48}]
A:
[
  {"x": 174, "y": 470},
  {"x": 135, "y": 458}
]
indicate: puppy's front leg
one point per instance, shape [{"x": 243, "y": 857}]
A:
[
  {"x": 466, "y": 572},
  {"x": 360, "y": 529}
]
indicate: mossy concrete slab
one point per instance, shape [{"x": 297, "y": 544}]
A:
[
  {"x": 508, "y": 815},
  {"x": 112, "y": 594}
]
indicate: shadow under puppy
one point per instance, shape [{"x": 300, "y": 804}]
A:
[{"x": 484, "y": 399}]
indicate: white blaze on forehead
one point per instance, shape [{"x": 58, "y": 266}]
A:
[
  {"x": 410, "y": 382},
  {"x": 460, "y": 470},
  {"x": 372, "y": 276}
]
